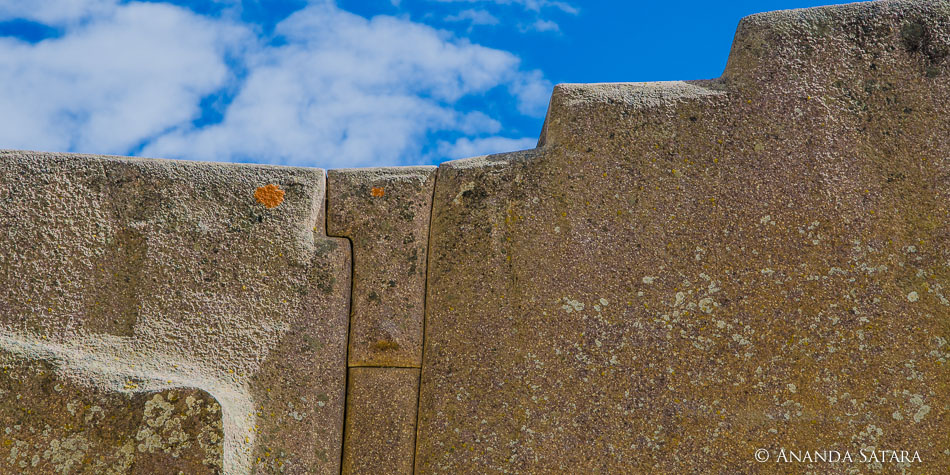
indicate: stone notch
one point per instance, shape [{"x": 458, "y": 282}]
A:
[
  {"x": 381, "y": 420},
  {"x": 385, "y": 213},
  {"x": 686, "y": 272},
  {"x": 140, "y": 282}
]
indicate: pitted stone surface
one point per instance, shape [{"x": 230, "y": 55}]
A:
[
  {"x": 137, "y": 276},
  {"x": 380, "y": 420},
  {"x": 55, "y": 426},
  {"x": 681, "y": 274},
  {"x": 686, "y": 272},
  {"x": 385, "y": 212}
]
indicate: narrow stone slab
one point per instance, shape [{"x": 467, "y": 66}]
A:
[
  {"x": 685, "y": 273},
  {"x": 380, "y": 420},
  {"x": 385, "y": 212},
  {"x": 138, "y": 276}
]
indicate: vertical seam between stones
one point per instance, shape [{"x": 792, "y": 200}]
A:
[
  {"x": 349, "y": 316},
  {"x": 425, "y": 317}
]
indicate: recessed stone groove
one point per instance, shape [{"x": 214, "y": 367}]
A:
[{"x": 385, "y": 213}]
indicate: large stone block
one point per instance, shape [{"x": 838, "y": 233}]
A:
[
  {"x": 380, "y": 420},
  {"x": 385, "y": 212},
  {"x": 134, "y": 278},
  {"x": 686, "y": 272}
]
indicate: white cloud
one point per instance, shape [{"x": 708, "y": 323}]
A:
[
  {"x": 474, "y": 17},
  {"x": 347, "y": 91},
  {"x": 114, "y": 82},
  {"x": 477, "y": 122},
  {"x": 466, "y": 147},
  {"x": 335, "y": 90},
  {"x": 55, "y": 12},
  {"x": 543, "y": 25},
  {"x": 532, "y": 92},
  {"x": 533, "y": 8}
]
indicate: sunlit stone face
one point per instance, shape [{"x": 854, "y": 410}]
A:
[{"x": 141, "y": 285}]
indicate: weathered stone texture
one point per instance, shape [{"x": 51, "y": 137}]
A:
[
  {"x": 380, "y": 420},
  {"x": 685, "y": 272},
  {"x": 131, "y": 276},
  {"x": 385, "y": 212},
  {"x": 55, "y": 426},
  {"x": 680, "y": 274}
]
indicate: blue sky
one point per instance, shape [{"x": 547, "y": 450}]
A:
[{"x": 331, "y": 84}]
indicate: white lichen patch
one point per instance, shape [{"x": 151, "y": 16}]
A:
[
  {"x": 913, "y": 297},
  {"x": 572, "y": 305},
  {"x": 940, "y": 354},
  {"x": 812, "y": 233},
  {"x": 937, "y": 290},
  {"x": 922, "y": 409},
  {"x": 93, "y": 413},
  {"x": 98, "y": 363},
  {"x": 869, "y": 436},
  {"x": 921, "y": 413},
  {"x": 161, "y": 429},
  {"x": 67, "y": 455},
  {"x": 699, "y": 253},
  {"x": 468, "y": 186}
]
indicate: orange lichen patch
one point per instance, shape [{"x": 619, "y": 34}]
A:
[
  {"x": 377, "y": 192},
  {"x": 270, "y": 195}
]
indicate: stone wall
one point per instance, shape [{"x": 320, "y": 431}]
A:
[{"x": 684, "y": 277}]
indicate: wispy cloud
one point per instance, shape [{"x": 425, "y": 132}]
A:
[
  {"x": 55, "y": 12},
  {"x": 541, "y": 25},
  {"x": 531, "y": 18},
  {"x": 330, "y": 88},
  {"x": 474, "y": 17},
  {"x": 532, "y": 5}
]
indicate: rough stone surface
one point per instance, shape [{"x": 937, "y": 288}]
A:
[
  {"x": 130, "y": 278},
  {"x": 385, "y": 212},
  {"x": 380, "y": 420},
  {"x": 686, "y": 272},
  {"x": 680, "y": 275},
  {"x": 56, "y": 426}
]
